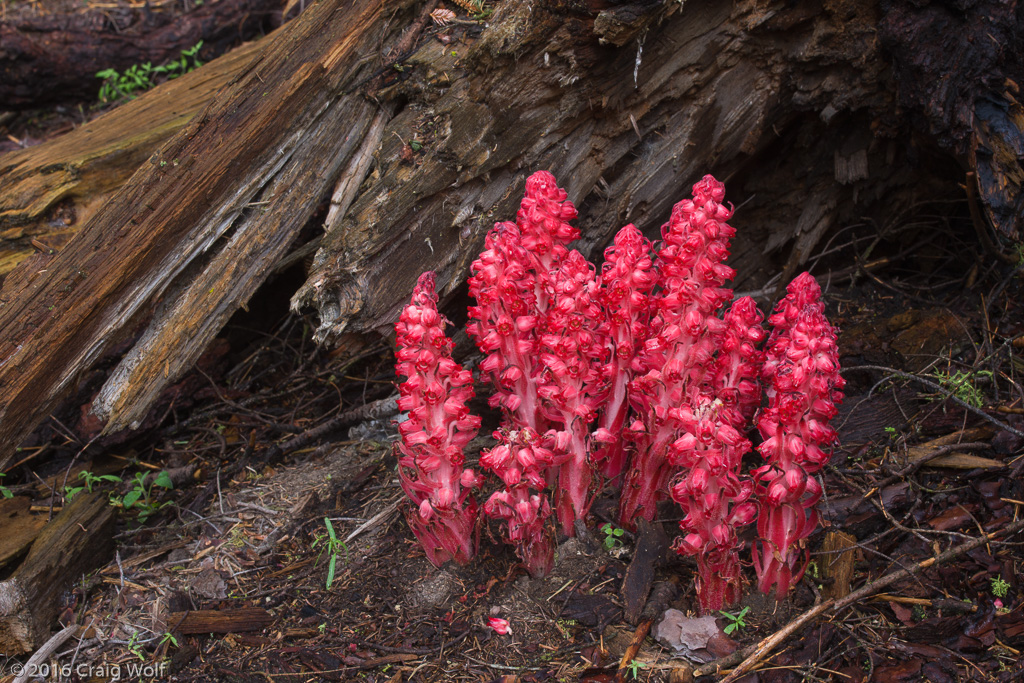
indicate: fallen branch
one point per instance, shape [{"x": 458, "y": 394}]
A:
[
  {"x": 938, "y": 387},
  {"x": 749, "y": 657}
]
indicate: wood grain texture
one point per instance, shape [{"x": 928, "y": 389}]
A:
[
  {"x": 232, "y": 620},
  {"x": 181, "y": 208},
  {"x": 20, "y": 527},
  {"x": 626, "y": 119},
  {"x": 75, "y": 542},
  {"x": 47, "y": 192}
]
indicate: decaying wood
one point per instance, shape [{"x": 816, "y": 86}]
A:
[
  {"x": 53, "y": 59},
  {"x": 234, "y": 620},
  {"x": 791, "y": 105},
  {"x": 836, "y": 560},
  {"x": 624, "y": 128},
  {"x": 934, "y": 45},
  {"x": 20, "y": 527},
  {"x": 222, "y": 200},
  {"x": 47, "y": 192},
  {"x": 634, "y": 647},
  {"x": 77, "y": 541},
  {"x": 636, "y": 584}
]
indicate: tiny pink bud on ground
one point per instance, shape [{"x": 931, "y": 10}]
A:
[{"x": 499, "y": 625}]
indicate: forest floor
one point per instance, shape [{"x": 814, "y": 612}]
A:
[
  {"x": 271, "y": 433},
  {"x": 286, "y": 517}
]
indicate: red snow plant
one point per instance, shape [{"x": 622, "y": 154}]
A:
[
  {"x": 645, "y": 372},
  {"x": 434, "y": 396}
]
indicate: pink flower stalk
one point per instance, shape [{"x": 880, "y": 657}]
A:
[
  {"x": 504, "y": 324},
  {"x": 535, "y": 320},
  {"x": 512, "y": 284},
  {"x": 802, "y": 381},
  {"x": 434, "y": 395},
  {"x": 573, "y": 352},
  {"x": 521, "y": 459},
  {"x": 626, "y": 281},
  {"x": 542, "y": 220},
  {"x": 709, "y": 488},
  {"x": 673, "y": 366}
]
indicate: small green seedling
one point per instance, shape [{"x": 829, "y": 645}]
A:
[
  {"x": 90, "y": 481},
  {"x": 169, "y": 638},
  {"x": 140, "y": 498},
  {"x": 136, "y": 647},
  {"x": 612, "y": 536},
  {"x": 334, "y": 547},
  {"x": 635, "y": 666},
  {"x": 735, "y": 621},
  {"x": 999, "y": 587},
  {"x": 140, "y": 77},
  {"x": 4, "y": 491},
  {"x": 961, "y": 385}
]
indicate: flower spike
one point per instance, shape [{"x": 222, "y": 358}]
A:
[{"x": 439, "y": 425}]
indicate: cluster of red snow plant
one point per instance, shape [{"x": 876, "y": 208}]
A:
[
  {"x": 434, "y": 395},
  {"x": 801, "y": 377},
  {"x": 642, "y": 373}
]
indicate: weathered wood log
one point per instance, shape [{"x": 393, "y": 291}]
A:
[
  {"x": 628, "y": 105},
  {"x": 234, "y": 620},
  {"x": 20, "y": 527},
  {"x": 47, "y": 192},
  {"x": 793, "y": 105},
  {"x": 221, "y": 202},
  {"x": 51, "y": 59},
  {"x": 78, "y": 540},
  {"x": 959, "y": 71},
  {"x": 627, "y": 119}
]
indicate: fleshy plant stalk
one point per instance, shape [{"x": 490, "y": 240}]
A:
[
  {"x": 538, "y": 323},
  {"x": 626, "y": 281},
  {"x": 709, "y": 488},
  {"x": 802, "y": 381},
  {"x": 673, "y": 366},
  {"x": 520, "y": 460},
  {"x": 439, "y": 425},
  {"x": 573, "y": 353}
]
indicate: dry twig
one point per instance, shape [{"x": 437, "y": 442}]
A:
[{"x": 749, "y": 657}]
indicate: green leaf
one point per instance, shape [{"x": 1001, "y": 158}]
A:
[
  {"x": 163, "y": 480},
  {"x": 330, "y": 571},
  {"x": 131, "y": 498}
]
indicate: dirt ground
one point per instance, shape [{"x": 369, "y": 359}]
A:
[{"x": 289, "y": 509}]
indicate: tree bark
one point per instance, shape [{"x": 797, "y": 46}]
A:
[
  {"x": 793, "y": 105},
  {"x": 49, "y": 59},
  {"x": 78, "y": 540},
  {"x": 218, "y": 205},
  {"x": 47, "y": 192}
]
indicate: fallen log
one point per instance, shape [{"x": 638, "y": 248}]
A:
[
  {"x": 221, "y": 203},
  {"x": 20, "y": 527},
  {"x": 627, "y": 105},
  {"x": 53, "y": 59},
  {"x": 47, "y": 192},
  {"x": 78, "y": 540}
]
